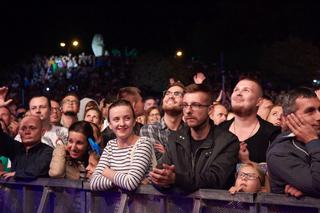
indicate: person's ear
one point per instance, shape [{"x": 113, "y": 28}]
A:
[
  {"x": 260, "y": 101},
  {"x": 43, "y": 131}
]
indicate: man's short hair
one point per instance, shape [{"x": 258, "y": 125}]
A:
[
  {"x": 289, "y": 101},
  {"x": 70, "y": 94},
  {"x": 130, "y": 94},
  {"x": 249, "y": 78},
  {"x": 192, "y": 88},
  {"x": 41, "y": 96},
  {"x": 178, "y": 84}
]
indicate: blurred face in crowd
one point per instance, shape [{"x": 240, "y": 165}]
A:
[
  {"x": 309, "y": 110},
  {"x": 172, "y": 100},
  {"x": 275, "y": 115},
  {"x": 121, "y": 121},
  {"x": 93, "y": 116},
  {"x": 141, "y": 119},
  {"x": 55, "y": 115},
  {"x": 31, "y": 130},
  {"x": 5, "y": 116},
  {"x": 196, "y": 109},
  {"x": 70, "y": 103},
  {"x": 91, "y": 105},
  {"x": 138, "y": 106},
  {"x": 39, "y": 106},
  {"x": 154, "y": 116},
  {"x": 149, "y": 103},
  {"x": 218, "y": 114},
  {"x": 245, "y": 98},
  {"x": 96, "y": 133},
  {"x": 77, "y": 144},
  {"x": 92, "y": 164},
  {"x": 265, "y": 106}
]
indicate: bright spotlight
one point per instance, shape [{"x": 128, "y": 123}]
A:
[
  {"x": 62, "y": 44},
  {"x": 75, "y": 43},
  {"x": 179, "y": 53}
]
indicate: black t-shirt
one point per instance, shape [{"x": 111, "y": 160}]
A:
[
  {"x": 258, "y": 143},
  {"x": 195, "y": 144}
]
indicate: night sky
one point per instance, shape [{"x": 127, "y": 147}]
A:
[{"x": 236, "y": 28}]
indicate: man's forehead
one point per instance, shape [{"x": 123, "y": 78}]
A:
[
  {"x": 303, "y": 103},
  {"x": 175, "y": 89},
  {"x": 30, "y": 120},
  {"x": 70, "y": 97},
  {"x": 38, "y": 100},
  {"x": 195, "y": 97},
  {"x": 4, "y": 110}
]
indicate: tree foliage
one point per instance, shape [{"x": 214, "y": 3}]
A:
[
  {"x": 152, "y": 71},
  {"x": 291, "y": 62}
]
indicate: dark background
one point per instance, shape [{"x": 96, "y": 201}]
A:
[{"x": 241, "y": 30}]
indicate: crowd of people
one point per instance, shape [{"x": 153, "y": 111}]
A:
[{"x": 186, "y": 142}]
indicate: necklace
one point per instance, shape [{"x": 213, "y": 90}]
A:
[{"x": 234, "y": 130}]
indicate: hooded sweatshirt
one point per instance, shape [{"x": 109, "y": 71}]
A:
[{"x": 83, "y": 104}]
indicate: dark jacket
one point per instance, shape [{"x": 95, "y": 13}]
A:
[
  {"x": 29, "y": 164},
  {"x": 212, "y": 165},
  {"x": 294, "y": 163}
]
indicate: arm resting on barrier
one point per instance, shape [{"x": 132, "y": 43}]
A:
[
  {"x": 295, "y": 171},
  {"x": 98, "y": 181}
]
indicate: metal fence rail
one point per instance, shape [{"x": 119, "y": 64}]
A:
[{"x": 62, "y": 195}]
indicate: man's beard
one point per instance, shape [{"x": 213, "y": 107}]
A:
[
  {"x": 70, "y": 113},
  {"x": 243, "y": 112},
  {"x": 174, "y": 111}
]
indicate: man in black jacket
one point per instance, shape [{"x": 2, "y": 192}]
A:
[
  {"x": 31, "y": 158},
  {"x": 201, "y": 155}
]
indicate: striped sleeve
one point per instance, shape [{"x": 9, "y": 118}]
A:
[
  {"x": 139, "y": 167},
  {"x": 98, "y": 181}
]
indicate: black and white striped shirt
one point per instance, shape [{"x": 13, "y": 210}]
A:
[{"x": 130, "y": 169}]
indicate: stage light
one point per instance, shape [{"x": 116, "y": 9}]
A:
[
  {"x": 62, "y": 44},
  {"x": 75, "y": 43}
]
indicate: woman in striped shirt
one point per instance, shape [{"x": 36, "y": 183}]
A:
[{"x": 127, "y": 160}]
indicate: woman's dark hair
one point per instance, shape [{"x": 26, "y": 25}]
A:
[
  {"x": 121, "y": 102},
  {"x": 84, "y": 128}
]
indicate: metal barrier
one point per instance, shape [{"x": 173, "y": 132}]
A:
[{"x": 62, "y": 195}]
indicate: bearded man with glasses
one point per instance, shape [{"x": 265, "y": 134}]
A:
[
  {"x": 199, "y": 155},
  {"x": 171, "y": 120}
]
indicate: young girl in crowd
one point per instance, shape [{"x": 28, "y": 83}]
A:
[
  {"x": 126, "y": 160},
  {"x": 250, "y": 178},
  {"x": 71, "y": 160}
]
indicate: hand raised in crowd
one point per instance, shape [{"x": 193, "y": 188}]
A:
[
  {"x": 301, "y": 129},
  {"x": 221, "y": 94},
  {"x": 290, "y": 190},
  {"x": 7, "y": 175},
  {"x": 244, "y": 153},
  {"x": 3, "y": 94},
  {"x": 199, "y": 78},
  {"x": 159, "y": 147},
  {"x": 165, "y": 176},
  {"x": 13, "y": 128}
]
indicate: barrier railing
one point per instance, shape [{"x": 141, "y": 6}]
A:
[{"x": 62, "y": 195}]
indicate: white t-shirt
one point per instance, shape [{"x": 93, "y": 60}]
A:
[{"x": 52, "y": 136}]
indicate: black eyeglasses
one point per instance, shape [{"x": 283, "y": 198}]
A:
[
  {"x": 194, "y": 106},
  {"x": 175, "y": 94}
]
